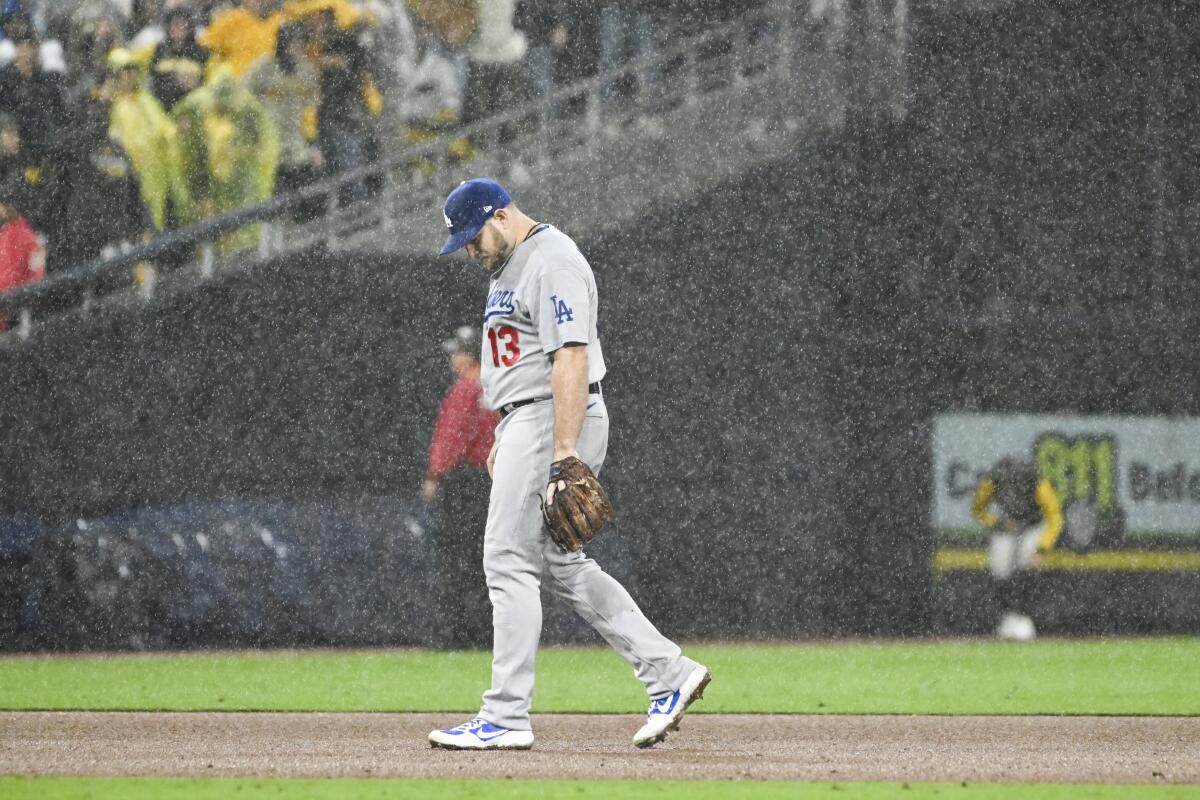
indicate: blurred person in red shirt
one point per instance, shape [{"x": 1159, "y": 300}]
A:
[
  {"x": 22, "y": 257},
  {"x": 465, "y": 428},
  {"x": 457, "y": 479}
]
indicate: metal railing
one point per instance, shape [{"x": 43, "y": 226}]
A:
[{"x": 759, "y": 46}]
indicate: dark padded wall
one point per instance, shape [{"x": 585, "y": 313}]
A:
[{"x": 312, "y": 377}]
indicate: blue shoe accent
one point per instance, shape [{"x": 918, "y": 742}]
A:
[
  {"x": 483, "y": 731},
  {"x": 665, "y": 704},
  {"x": 479, "y": 734},
  {"x": 466, "y": 727},
  {"x": 488, "y": 731},
  {"x": 666, "y": 711}
]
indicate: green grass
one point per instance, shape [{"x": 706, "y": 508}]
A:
[
  {"x": 351, "y": 789},
  {"x": 1129, "y": 676}
]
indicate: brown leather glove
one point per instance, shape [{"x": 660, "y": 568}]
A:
[{"x": 578, "y": 511}]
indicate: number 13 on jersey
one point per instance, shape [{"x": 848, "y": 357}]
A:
[{"x": 505, "y": 345}]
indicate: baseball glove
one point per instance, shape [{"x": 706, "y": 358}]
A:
[{"x": 579, "y": 511}]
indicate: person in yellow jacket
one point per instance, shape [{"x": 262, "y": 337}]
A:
[
  {"x": 349, "y": 104},
  {"x": 139, "y": 124},
  {"x": 241, "y": 35},
  {"x": 345, "y": 14},
  {"x": 229, "y": 152},
  {"x": 1025, "y": 518}
]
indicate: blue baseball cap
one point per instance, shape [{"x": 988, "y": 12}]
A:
[{"x": 468, "y": 207}]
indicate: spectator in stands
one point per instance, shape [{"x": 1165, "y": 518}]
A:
[
  {"x": 89, "y": 42},
  {"x": 78, "y": 16},
  {"x": 7, "y": 9},
  {"x": 561, "y": 48},
  {"x": 145, "y": 25},
  {"x": 207, "y": 10},
  {"x": 23, "y": 173},
  {"x": 178, "y": 64},
  {"x": 287, "y": 86},
  {"x": 496, "y": 52},
  {"x": 140, "y": 125},
  {"x": 628, "y": 31},
  {"x": 14, "y": 158},
  {"x": 93, "y": 187},
  {"x": 61, "y": 12},
  {"x": 346, "y": 14},
  {"x": 457, "y": 477},
  {"x": 241, "y": 35},
  {"x": 229, "y": 152},
  {"x": 16, "y": 24},
  {"x": 22, "y": 258},
  {"x": 393, "y": 40},
  {"x": 430, "y": 94},
  {"x": 430, "y": 89},
  {"x": 349, "y": 97},
  {"x": 449, "y": 25},
  {"x": 32, "y": 96},
  {"x": 453, "y": 21}
]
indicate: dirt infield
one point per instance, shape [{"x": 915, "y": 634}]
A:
[{"x": 888, "y": 748}]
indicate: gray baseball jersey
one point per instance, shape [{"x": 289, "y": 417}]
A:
[{"x": 542, "y": 298}]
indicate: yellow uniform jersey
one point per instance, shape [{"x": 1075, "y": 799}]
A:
[{"x": 1047, "y": 501}]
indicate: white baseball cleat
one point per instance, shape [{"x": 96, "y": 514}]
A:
[
  {"x": 479, "y": 734},
  {"x": 666, "y": 711}
]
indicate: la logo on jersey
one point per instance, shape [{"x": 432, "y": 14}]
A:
[{"x": 562, "y": 312}]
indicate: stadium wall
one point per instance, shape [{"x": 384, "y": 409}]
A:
[
  {"x": 778, "y": 348},
  {"x": 771, "y": 387}
]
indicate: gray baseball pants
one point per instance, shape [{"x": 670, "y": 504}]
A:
[
  {"x": 518, "y": 555},
  {"x": 1009, "y": 553}
]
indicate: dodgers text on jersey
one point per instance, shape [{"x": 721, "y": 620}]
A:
[{"x": 500, "y": 303}]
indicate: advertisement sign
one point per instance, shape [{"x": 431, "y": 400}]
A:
[{"x": 1124, "y": 482}]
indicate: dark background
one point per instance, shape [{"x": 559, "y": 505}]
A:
[{"x": 1023, "y": 241}]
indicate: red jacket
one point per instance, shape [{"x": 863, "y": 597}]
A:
[
  {"x": 21, "y": 257},
  {"x": 464, "y": 432}
]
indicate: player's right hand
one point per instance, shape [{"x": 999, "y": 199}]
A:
[{"x": 491, "y": 461}]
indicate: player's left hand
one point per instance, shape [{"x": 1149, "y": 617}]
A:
[
  {"x": 557, "y": 486},
  {"x": 578, "y": 507}
]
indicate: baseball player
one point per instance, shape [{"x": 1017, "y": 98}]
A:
[
  {"x": 1025, "y": 518},
  {"x": 542, "y": 367}
]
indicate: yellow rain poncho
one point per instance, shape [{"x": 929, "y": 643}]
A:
[
  {"x": 229, "y": 151},
  {"x": 237, "y": 38},
  {"x": 345, "y": 13},
  {"x": 139, "y": 123}
]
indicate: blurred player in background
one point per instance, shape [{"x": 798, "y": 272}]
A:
[
  {"x": 1025, "y": 518},
  {"x": 457, "y": 478}
]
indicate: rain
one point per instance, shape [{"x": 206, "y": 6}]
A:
[{"x": 855, "y": 260}]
